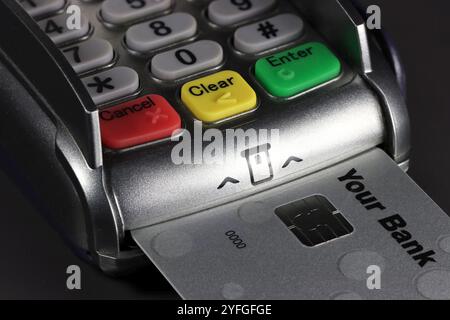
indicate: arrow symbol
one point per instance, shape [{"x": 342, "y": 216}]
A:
[
  {"x": 226, "y": 98},
  {"x": 227, "y": 180},
  {"x": 288, "y": 161}
]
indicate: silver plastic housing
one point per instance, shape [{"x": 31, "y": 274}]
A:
[{"x": 138, "y": 187}]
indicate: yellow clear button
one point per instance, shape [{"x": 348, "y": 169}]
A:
[{"x": 218, "y": 96}]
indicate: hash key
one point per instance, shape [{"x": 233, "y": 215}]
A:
[{"x": 269, "y": 33}]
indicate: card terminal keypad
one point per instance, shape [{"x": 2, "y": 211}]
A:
[{"x": 127, "y": 49}]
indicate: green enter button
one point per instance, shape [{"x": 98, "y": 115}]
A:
[{"x": 292, "y": 71}]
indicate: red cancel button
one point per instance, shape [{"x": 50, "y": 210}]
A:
[{"x": 138, "y": 121}]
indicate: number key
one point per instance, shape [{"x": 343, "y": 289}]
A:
[
  {"x": 228, "y": 12},
  {"x": 56, "y": 28},
  {"x": 124, "y": 11},
  {"x": 187, "y": 60},
  {"x": 37, "y": 8},
  {"x": 89, "y": 55},
  {"x": 161, "y": 32}
]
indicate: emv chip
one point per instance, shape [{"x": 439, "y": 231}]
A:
[{"x": 314, "y": 220}]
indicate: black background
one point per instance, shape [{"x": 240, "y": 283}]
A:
[{"x": 33, "y": 259}]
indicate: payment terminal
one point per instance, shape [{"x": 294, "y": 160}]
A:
[{"x": 110, "y": 111}]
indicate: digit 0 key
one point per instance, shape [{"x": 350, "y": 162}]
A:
[
  {"x": 192, "y": 58},
  {"x": 293, "y": 71}
]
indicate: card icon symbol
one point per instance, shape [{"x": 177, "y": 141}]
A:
[{"x": 259, "y": 164}]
